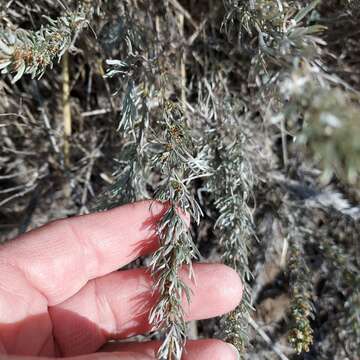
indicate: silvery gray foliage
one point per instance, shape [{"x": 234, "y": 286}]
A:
[
  {"x": 175, "y": 157},
  {"x": 232, "y": 186},
  {"x": 31, "y": 52},
  {"x": 164, "y": 146}
]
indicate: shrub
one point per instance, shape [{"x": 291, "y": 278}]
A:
[{"x": 244, "y": 114}]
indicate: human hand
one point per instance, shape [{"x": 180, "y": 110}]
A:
[{"x": 61, "y": 296}]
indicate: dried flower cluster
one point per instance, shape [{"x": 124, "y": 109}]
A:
[{"x": 301, "y": 333}]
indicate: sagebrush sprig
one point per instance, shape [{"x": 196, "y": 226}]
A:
[
  {"x": 231, "y": 186},
  {"x": 31, "y": 52},
  {"x": 175, "y": 159},
  {"x": 162, "y": 144},
  {"x": 227, "y": 142}
]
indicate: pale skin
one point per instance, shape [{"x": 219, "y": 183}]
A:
[{"x": 61, "y": 294}]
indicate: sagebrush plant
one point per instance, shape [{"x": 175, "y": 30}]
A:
[{"x": 205, "y": 106}]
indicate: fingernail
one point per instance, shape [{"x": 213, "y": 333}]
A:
[{"x": 235, "y": 351}]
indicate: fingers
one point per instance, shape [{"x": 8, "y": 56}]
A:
[
  {"x": 59, "y": 258},
  {"x": 118, "y": 305},
  {"x": 125, "y": 355},
  {"x": 195, "y": 350}
]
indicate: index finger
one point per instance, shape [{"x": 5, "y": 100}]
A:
[{"x": 59, "y": 258}]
